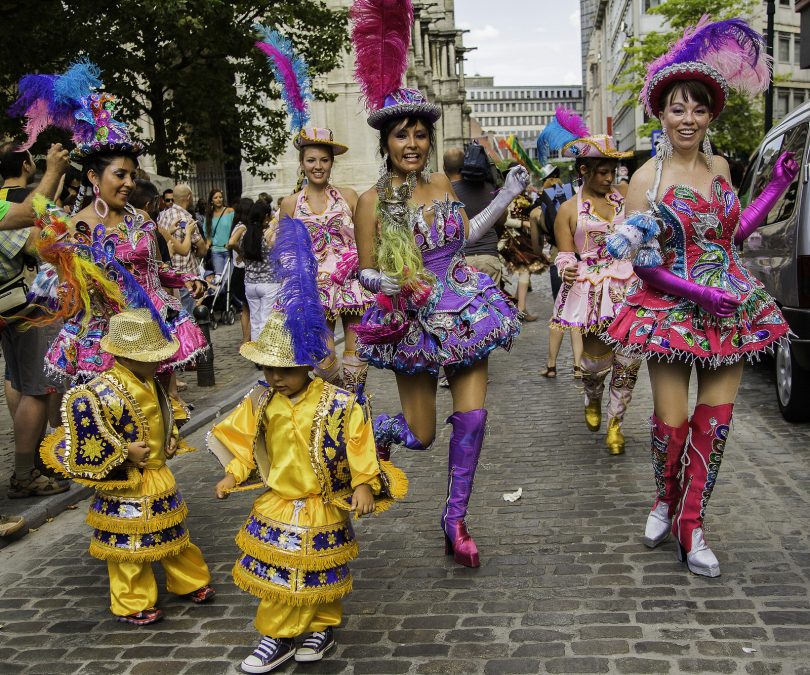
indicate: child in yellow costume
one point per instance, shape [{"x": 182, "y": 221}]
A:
[
  {"x": 312, "y": 444},
  {"x": 117, "y": 432}
]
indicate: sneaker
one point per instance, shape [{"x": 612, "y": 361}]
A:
[
  {"x": 269, "y": 654},
  {"x": 315, "y": 645},
  {"x": 144, "y": 618},
  {"x": 36, "y": 485},
  {"x": 201, "y": 595},
  {"x": 10, "y": 524}
]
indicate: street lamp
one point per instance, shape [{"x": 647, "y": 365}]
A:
[{"x": 771, "y": 10}]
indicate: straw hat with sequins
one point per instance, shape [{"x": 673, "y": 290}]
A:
[
  {"x": 274, "y": 346},
  {"x": 134, "y": 334}
]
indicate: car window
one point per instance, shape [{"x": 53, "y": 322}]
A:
[{"x": 794, "y": 140}]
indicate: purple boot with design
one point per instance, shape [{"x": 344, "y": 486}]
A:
[{"x": 394, "y": 430}]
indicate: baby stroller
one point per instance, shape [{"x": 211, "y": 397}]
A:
[{"x": 219, "y": 300}]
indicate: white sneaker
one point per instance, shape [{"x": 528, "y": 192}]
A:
[{"x": 269, "y": 654}]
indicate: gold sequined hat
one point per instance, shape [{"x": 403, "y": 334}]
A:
[
  {"x": 135, "y": 335},
  {"x": 274, "y": 347}
]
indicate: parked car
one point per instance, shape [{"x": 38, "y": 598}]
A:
[{"x": 778, "y": 254}]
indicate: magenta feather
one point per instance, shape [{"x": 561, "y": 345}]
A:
[
  {"x": 572, "y": 122},
  {"x": 381, "y": 33},
  {"x": 731, "y": 47}
]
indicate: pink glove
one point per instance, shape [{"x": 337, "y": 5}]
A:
[
  {"x": 784, "y": 171},
  {"x": 715, "y": 301}
]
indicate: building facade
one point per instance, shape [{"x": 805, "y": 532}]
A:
[
  {"x": 612, "y": 24},
  {"x": 520, "y": 110},
  {"x": 436, "y": 68}
]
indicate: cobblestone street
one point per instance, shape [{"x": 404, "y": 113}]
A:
[{"x": 565, "y": 584}]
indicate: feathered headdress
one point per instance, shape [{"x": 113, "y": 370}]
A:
[
  {"x": 723, "y": 54},
  {"x": 290, "y": 72},
  {"x": 381, "y": 34},
  {"x": 69, "y": 101},
  {"x": 568, "y": 133}
]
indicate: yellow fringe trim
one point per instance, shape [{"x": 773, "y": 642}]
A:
[
  {"x": 300, "y": 561},
  {"x": 261, "y": 590},
  {"x": 395, "y": 479},
  {"x": 245, "y": 487},
  {"x": 48, "y": 454},
  {"x": 184, "y": 448},
  {"x": 139, "y": 526},
  {"x": 333, "y": 315},
  {"x": 596, "y": 328},
  {"x": 121, "y": 556}
]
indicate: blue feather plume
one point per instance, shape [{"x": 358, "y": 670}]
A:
[
  {"x": 77, "y": 82},
  {"x": 297, "y": 269},
  {"x": 553, "y": 137}
]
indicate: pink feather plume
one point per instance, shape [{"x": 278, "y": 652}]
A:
[
  {"x": 381, "y": 33},
  {"x": 572, "y": 122}
]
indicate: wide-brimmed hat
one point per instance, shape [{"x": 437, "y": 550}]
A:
[
  {"x": 135, "y": 334},
  {"x": 404, "y": 103},
  {"x": 594, "y": 147},
  {"x": 274, "y": 347},
  {"x": 318, "y": 136},
  {"x": 568, "y": 133}
]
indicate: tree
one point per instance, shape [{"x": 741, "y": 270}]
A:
[
  {"x": 186, "y": 67},
  {"x": 738, "y": 131}
]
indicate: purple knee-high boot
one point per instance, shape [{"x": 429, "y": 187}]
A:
[
  {"x": 465, "y": 449},
  {"x": 394, "y": 430}
]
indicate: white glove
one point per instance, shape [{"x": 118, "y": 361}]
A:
[
  {"x": 378, "y": 282},
  {"x": 516, "y": 182}
]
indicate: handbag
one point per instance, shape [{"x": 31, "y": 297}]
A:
[{"x": 14, "y": 296}]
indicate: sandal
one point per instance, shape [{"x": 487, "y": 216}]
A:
[
  {"x": 201, "y": 595},
  {"x": 144, "y": 618},
  {"x": 36, "y": 485},
  {"x": 577, "y": 373},
  {"x": 550, "y": 372}
]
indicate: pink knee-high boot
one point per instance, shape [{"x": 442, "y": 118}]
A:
[
  {"x": 666, "y": 448},
  {"x": 466, "y": 441},
  {"x": 708, "y": 431}
]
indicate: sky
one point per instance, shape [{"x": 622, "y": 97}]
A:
[{"x": 522, "y": 42}]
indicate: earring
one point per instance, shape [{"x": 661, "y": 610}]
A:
[
  {"x": 99, "y": 205},
  {"x": 707, "y": 151},
  {"x": 663, "y": 150},
  {"x": 384, "y": 165},
  {"x": 426, "y": 171}
]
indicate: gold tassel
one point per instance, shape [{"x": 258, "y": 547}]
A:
[
  {"x": 301, "y": 561},
  {"x": 184, "y": 448},
  {"x": 121, "y": 556},
  {"x": 48, "y": 452},
  {"x": 395, "y": 479},
  {"x": 262, "y": 590},
  {"x": 139, "y": 526}
]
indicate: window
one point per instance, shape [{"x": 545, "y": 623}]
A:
[
  {"x": 783, "y": 55},
  {"x": 784, "y": 3},
  {"x": 782, "y": 103},
  {"x": 792, "y": 141},
  {"x": 649, "y": 4},
  {"x": 796, "y": 49}
]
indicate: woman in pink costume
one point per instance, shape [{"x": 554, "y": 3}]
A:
[
  {"x": 108, "y": 224},
  {"x": 696, "y": 305},
  {"x": 595, "y": 284},
  {"x": 327, "y": 212}
]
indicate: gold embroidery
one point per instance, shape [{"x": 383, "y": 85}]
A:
[{"x": 92, "y": 447}]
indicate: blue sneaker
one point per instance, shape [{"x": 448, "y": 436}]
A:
[
  {"x": 315, "y": 645},
  {"x": 269, "y": 654}
]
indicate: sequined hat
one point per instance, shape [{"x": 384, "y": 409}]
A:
[
  {"x": 135, "y": 335},
  {"x": 274, "y": 347},
  {"x": 96, "y": 130},
  {"x": 404, "y": 103},
  {"x": 318, "y": 136}
]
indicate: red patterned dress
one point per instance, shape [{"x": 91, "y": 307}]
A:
[{"x": 698, "y": 245}]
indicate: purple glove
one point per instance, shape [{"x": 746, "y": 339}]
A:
[
  {"x": 715, "y": 301},
  {"x": 784, "y": 171}
]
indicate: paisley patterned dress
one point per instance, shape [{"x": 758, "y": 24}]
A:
[
  {"x": 76, "y": 353},
  {"x": 592, "y": 301},
  {"x": 698, "y": 231},
  {"x": 466, "y": 315},
  {"x": 332, "y": 234}
]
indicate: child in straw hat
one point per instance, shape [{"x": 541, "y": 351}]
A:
[
  {"x": 117, "y": 432},
  {"x": 312, "y": 444}
]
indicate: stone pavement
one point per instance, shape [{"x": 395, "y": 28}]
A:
[{"x": 565, "y": 584}]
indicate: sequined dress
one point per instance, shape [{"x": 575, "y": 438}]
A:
[
  {"x": 333, "y": 243},
  {"x": 698, "y": 233},
  {"x": 466, "y": 316},
  {"x": 592, "y": 301},
  {"x": 76, "y": 354}
]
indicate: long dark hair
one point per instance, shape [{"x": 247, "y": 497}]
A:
[
  {"x": 98, "y": 162},
  {"x": 242, "y": 211},
  {"x": 209, "y": 211},
  {"x": 256, "y": 225}
]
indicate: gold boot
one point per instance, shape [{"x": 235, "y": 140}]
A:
[
  {"x": 615, "y": 438},
  {"x": 593, "y": 414}
]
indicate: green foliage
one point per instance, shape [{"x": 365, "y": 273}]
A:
[
  {"x": 739, "y": 129},
  {"x": 186, "y": 68}
]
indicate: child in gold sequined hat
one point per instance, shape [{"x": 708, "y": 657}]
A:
[
  {"x": 311, "y": 443},
  {"x": 117, "y": 432}
]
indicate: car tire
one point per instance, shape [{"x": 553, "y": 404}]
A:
[{"x": 792, "y": 386}]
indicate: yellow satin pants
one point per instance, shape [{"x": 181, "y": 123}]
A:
[
  {"x": 285, "y": 621},
  {"x": 133, "y": 587}
]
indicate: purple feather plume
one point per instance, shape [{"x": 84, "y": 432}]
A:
[
  {"x": 381, "y": 33},
  {"x": 572, "y": 122},
  {"x": 290, "y": 71},
  {"x": 297, "y": 270},
  {"x": 731, "y": 47}
]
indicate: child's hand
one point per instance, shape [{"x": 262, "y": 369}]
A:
[
  {"x": 362, "y": 500},
  {"x": 137, "y": 453},
  {"x": 171, "y": 450},
  {"x": 227, "y": 483}
]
